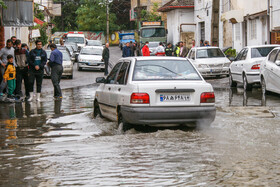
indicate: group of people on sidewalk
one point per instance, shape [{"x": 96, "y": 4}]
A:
[{"x": 19, "y": 65}]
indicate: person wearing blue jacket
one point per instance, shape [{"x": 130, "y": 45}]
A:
[
  {"x": 37, "y": 62},
  {"x": 126, "y": 51}
]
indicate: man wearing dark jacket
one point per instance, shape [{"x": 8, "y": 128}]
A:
[
  {"x": 55, "y": 62},
  {"x": 105, "y": 57},
  {"x": 126, "y": 51},
  {"x": 21, "y": 61},
  {"x": 37, "y": 61}
]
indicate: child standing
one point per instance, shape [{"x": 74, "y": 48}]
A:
[{"x": 10, "y": 76}]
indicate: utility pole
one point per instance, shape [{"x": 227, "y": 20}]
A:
[
  {"x": 138, "y": 14},
  {"x": 107, "y": 13}
]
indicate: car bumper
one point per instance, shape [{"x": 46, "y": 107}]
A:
[
  {"x": 158, "y": 116},
  {"x": 89, "y": 66},
  {"x": 253, "y": 78},
  {"x": 213, "y": 71}
]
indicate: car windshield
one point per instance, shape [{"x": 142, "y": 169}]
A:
[
  {"x": 260, "y": 52},
  {"x": 65, "y": 54},
  {"x": 79, "y": 40},
  {"x": 128, "y": 37},
  {"x": 153, "y": 32},
  {"x": 75, "y": 47},
  {"x": 70, "y": 48},
  {"x": 91, "y": 51},
  {"x": 153, "y": 44},
  {"x": 164, "y": 70},
  {"x": 94, "y": 43},
  {"x": 209, "y": 53}
]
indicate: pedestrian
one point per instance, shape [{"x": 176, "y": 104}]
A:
[
  {"x": 55, "y": 62},
  {"x": 183, "y": 50},
  {"x": 14, "y": 38},
  {"x": 105, "y": 58},
  {"x": 146, "y": 50},
  {"x": 178, "y": 49},
  {"x": 10, "y": 76},
  {"x": 169, "y": 50},
  {"x": 206, "y": 44},
  {"x": 50, "y": 42},
  {"x": 126, "y": 50},
  {"x": 25, "y": 46},
  {"x": 137, "y": 48},
  {"x": 61, "y": 42},
  {"x": 193, "y": 43},
  {"x": 21, "y": 61},
  {"x": 160, "y": 51},
  {"x": 201, "y": 43},
  {"x": 37, "y": 61},
  {"x": 132, "y": 48},
  {"x": 4, "y": 52}
]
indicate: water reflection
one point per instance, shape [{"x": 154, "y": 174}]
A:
[{"x": 237, "y": 96}]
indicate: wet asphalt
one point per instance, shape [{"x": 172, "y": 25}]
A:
[{"x": 58, "y": 143}]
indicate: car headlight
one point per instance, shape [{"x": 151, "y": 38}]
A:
[
  {"x": 67, "y": 66},
  {"x": 202, "y": 66},
  {"x": 227, "y": 64}
]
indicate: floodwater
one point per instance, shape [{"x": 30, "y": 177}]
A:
[{"x": 58, "y": 143}]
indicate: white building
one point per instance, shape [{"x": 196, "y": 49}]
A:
[
  {"x": 180, "y": 21},
  {"x": 250, "y": 22}
]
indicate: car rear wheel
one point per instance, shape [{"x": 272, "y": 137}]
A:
[
  {"x": 263, "y": 85},
  {"x": 70, "y": 77},
  {"x": 122, "y": 125},
  {"x": 232, "y": 83},
  {"x": 96, "y": 110},
  {"x": 246, "y": 86}
]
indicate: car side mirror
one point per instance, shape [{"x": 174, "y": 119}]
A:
[
  {"x": 193, "y": 58},
  {"x": 277, "y": 62},
  {"x": 100, "y": 80}
]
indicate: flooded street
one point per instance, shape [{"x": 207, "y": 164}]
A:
[{"x": 58, "y": 143}]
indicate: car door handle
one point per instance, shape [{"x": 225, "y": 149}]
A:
[
  {"x": 119, "y": 89},
  {"x": 109, "y": 88},
  {"x": 271, "y": 69}
]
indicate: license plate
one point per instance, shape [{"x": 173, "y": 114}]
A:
[
  {"x": 215, "y": 70},
  {"x": 174, "y": 97}
]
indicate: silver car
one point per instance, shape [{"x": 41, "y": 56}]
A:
[{"x": 90, "y": 58}]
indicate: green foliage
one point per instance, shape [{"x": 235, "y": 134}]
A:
[
  {"x": 91, "y": 16},
  {"x": 43, "y": 28},
  {"x": 67, "y": 22},
  {"x": 230, "y": 52},
  {"x": 2, "y": 4},
  {"x": 38, "y": 13},
  {"x": 152, "y": 15}
]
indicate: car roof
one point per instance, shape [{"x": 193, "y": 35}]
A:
[
  {"x": 95, "y": 47},
  {"x": 95, "y": 40},
  {"x": 75, "y": 35},
  {"x": 206, "y": 47},
  {"x": 153, "y": 58},
  {"x": 256, "y": 46}
]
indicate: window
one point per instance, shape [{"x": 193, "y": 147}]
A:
[
  {"x": 260, "y": 52},
  {"x": 123, "y": 73},
  {"x": 272, "y": 55},
  {"x": 111, "y": 77},
  {"x": 164, "y": 70},
  {"x": 244, "y": 55},
  {"x": 209, "y": 53},
  {"x": 278, "y": 57},
  {"x": 253, "y": 29},
  {"x": 240, "y": 55},
  {"x": 237, "y": 31},
  {"x": 153, "y": 32}
]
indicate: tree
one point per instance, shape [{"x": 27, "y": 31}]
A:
[
  {"x": 67, "y": 21},
  {"x": 151, "y": 15},
  {"x": 40, "y": 15},
  {"x": 91, "y": 16},
  {"x": 121, "y": 9}
]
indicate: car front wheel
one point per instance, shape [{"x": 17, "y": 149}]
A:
[
  {"x": 263, "y": 85},
  {"x": 232, "y": 83},
  {"x": 96, "y": 110}
]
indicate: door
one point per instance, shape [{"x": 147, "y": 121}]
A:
[
  {"x": 275, "y": 74},
  {"x": 106, "y": 106},
  {"x": 236, "y": 67},
  {"x": 269, "y": 70}
]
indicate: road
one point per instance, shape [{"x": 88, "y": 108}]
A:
[{"x": 57, "y": 143}]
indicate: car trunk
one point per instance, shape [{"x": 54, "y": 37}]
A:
[{"x": 174, "y": 93}]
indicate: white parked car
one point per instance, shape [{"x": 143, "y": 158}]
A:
[
  {"x": 155, "y": 91},
  {"x": 94, "y": 43},
  {"x": 210, "y": 61},
  {"x": 246, "y": 66},
  {"x": 270, "y": 72},
  {"x": 90, "y": 58}
]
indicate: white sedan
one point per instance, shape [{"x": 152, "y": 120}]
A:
[
  {"x": 246, "y": 66},
  {"x": 210, "y": 61},
  {"x": 155, "y": 91},
  {"x": 270, "y": 72},
  {"x": 90, "y": 58}
]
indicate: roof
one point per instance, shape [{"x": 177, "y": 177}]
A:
[
  {"x": 155, "y": 58},
  {"x": 176, "y": 4},
  {"x": 38, "y": 21}
]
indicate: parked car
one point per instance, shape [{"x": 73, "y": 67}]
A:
[
  {"x": 270, "y": 72},
  {"x": 90, "y": 58},
  {"x": 67, "y": 64},
  {"x": 210, "y": 61},
  {"x": 125, "y": 38},
  {"x": 94, "y": 43},
  {"x": 246, "y": 66},
  {"x": 155, "y": 91},
  {"x": 153, "y": 46}
]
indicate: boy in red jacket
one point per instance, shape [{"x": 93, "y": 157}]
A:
[{"x": 146, "y": 50}]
